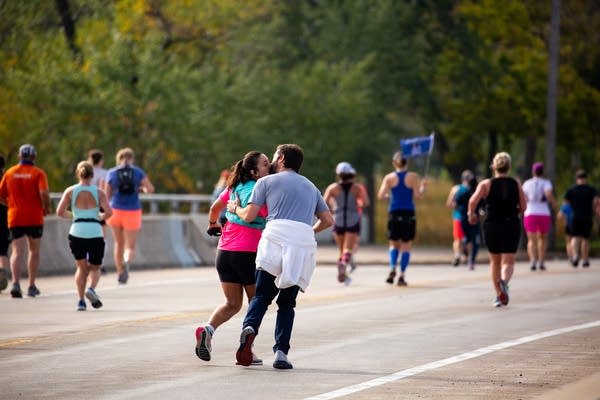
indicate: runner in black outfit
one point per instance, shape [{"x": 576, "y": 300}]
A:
[{"x": 505, "y": 202}]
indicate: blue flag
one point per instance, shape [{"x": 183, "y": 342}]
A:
[{"x": 418, "y": 146}]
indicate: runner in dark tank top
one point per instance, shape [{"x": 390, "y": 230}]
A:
[{"x": 505, "y": 202}]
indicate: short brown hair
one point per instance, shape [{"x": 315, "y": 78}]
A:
[{"x": 293, "y": 156}]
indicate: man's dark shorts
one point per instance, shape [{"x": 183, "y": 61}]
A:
[
  {"x": 236, "y": 266},
  {"x": 582, "y": 227},
  {"x": 91, "y": 249},
  {"x": 34, "y": 232},
  {"x": 402, "y": 225},
  {"x": 4, "y": 232}
]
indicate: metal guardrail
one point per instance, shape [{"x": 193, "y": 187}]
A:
[{"x": 173, "y": 203}]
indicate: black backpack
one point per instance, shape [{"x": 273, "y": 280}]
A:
[{"x": 126, "y": 182}]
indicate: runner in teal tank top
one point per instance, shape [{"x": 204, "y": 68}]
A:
[{"x": 86, "y": 237}]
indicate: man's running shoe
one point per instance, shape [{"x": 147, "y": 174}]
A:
[
  {"x": 81, "y": 305},
  {"x": 3, "y": 279},
  {"x": 497, "y": 302},
  {"x": 503, "y": 292},
  {"x": 203, "y": 347},
  {"x": 533, "y": 267},
  {"x": 542, "y": 267},
  {"x": 94, "y": 299},
  {"x": 391, "y": 276},
  {"x": 456, "y": 261},
  {"x": 586, "y": 264},
  {"x": 281, "y": 361},
  {"x": 33, "y": 291},
  {"x": 16, "y": 291},
  {"x": 244, "y": 352},
  {"x": 401, "y": 281}
]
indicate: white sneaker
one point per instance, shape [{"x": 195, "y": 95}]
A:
[
  {"x": 256, "y": 360},
  {"x": 93, "y": 297},
  {"x": 281, "y": 361}
]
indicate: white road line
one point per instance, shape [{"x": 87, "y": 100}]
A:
[{"x": 448, "y": 361}]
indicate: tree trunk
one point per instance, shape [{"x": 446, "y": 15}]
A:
[
  {"x": 530, "y": 150},
  {"x": 492, "y": 149},
  {"x": 554, "y": 42},
  {"x": 69, "y": 25}
]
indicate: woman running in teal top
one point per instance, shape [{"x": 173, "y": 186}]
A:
[{"x": 86, "y": 238}]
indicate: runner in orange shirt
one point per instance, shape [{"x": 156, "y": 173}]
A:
[
  {"x": 4, "y": 236},
  {"x": 24, "y": 189}
]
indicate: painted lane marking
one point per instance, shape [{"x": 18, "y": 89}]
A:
[{"x": 448, "y": 361}]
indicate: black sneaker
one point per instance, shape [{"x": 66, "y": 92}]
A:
[
  {"x": 16, "y": 291},
  {"x": 33, "y": 291},
  {"x": 456, "y": 261},
  {"x": 586, "y": 264},
  {"x": 575, "y": 262},
  {"x": 533, "y": 267},
  {"x": 401, "y": 281},
  {"x": 391, "y": 276},
  {"x": 542, "y": 267},
  {"x": 123, "y": 277}
]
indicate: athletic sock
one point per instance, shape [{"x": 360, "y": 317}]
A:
[
  {"x": 404, "y": 260},
  {"x": 393, "y": 258},
  {"x": 209, "y": 328}
]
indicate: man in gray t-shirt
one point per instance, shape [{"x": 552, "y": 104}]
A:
[{"x": 288, "y": 196}]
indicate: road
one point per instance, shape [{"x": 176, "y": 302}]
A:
[{"x": 438, "y": 338}]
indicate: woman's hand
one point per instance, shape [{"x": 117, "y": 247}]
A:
[{"x": 232, "y": 205}]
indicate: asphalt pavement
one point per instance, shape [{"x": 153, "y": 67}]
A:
[{"x": 437, "y": 338}]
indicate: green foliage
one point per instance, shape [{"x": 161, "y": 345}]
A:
[{"x": 191, "y": 86}]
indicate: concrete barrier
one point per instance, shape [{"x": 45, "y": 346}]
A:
[{"x": 165, "y": 240}]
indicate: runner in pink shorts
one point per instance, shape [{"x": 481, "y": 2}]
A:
[{"x": 537, "y": 217}]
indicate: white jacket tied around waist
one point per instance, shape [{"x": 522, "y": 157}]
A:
[{"x": 287, "y": 250}]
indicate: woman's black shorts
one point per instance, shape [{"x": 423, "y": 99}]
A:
[
  {"x": 502, "y": 236},
  {"x": 236, "y": 266},
  {"x": 91, "y": 249}
]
